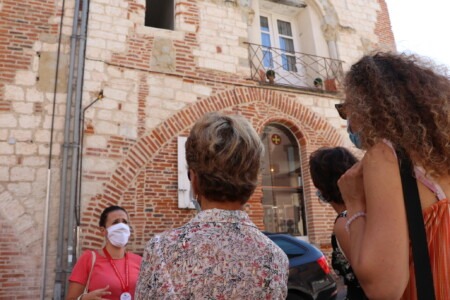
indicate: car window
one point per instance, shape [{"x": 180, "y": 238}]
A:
[{"x": 291, "y": 249}]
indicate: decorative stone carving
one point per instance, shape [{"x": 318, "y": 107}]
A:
[
  {"x": 249, "y": 15},
  {"x": 163, "y": 58}
]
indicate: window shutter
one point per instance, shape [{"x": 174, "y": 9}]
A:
[{"x": 184, "y": 185}]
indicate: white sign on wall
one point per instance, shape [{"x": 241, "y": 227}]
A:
[{"x": 184, "y": 186}]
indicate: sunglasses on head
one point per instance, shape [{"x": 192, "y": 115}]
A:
[{"x": 340, "y": 107}]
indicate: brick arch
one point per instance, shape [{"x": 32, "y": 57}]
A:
[
  {"x": 310, "y": 136},
  {"x": 304, "y": 122},
  {"x": 286, "y": 122},
  {"x": 260, "y": 106},
  {"x": 318, "y": 131}
]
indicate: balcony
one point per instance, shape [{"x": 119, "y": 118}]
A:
[{"x": 295, "y": 69}]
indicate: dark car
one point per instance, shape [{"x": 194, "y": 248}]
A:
[{"x": 309, "y": 273}]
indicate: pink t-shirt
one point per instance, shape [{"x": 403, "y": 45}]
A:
[{"x": 103, "y": 273}]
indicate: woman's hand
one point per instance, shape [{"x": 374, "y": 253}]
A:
[
  {"x": 97, "y": 294},
  {"x": 351, "y": 186}
]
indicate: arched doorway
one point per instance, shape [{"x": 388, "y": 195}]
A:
[{"x": 282, "y": 185}]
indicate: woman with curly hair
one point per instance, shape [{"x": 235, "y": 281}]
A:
[
  {"x": 395, "y": 101},
  {"x": 326, "y": 166},
  {"x": 220, "y": 253}
]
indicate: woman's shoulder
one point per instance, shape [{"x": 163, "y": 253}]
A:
[
  {"x": 87, "y": 254},
  {"x": 381, "y": 152},
  {"x": 86, "y": 257},
  {"x": 383, "y": 147},
  {"x": 134, "y": 256},
  {"x": 170, "y": 236}
]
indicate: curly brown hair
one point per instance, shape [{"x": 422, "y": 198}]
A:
[
  {"x": 225, "y": 153},
  {"x": 326, "y": 166},
  {"x": 405, "y": 100}
]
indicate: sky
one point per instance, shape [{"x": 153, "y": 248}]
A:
[{"x": 421, "y": 27}]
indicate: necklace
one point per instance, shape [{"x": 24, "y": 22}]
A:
[{"x": 124, "y": 283}]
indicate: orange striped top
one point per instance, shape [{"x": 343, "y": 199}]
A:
[{"x": 437, "y": 227}]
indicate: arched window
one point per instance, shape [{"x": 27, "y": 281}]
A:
[{"x": 283, "y": 202}]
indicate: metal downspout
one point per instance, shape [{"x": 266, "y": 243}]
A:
[
  {"x": 66, "y": 146},
  {"x": 49, "y": 171},
  {"x": 80, "y": 159},
  {"x": 76, "y": 135}
]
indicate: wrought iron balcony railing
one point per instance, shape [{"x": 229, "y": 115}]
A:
[{"x": 294, "y": 69}]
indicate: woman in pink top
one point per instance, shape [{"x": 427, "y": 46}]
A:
[
  {"x": 115, "y": 271},
  {"x": 397, "y": 101}
]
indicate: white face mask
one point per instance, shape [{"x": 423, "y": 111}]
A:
[{"x": 118, "y": 234}]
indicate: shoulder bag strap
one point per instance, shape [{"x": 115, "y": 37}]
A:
[
  {"x": 86, "y": 288},
  {"x": 416, "y": 228}
]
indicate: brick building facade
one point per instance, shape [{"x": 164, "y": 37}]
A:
[{"x": 133, "y": 89}]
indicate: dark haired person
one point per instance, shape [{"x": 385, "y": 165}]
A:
[
  {"x": 115, "y": 270},
  {"x": 326, "y": 166},
  {"x": 397, "y": 101},
  {"x": 219, "y": 254}
]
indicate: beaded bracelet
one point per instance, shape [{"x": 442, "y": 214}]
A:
[{"x": 353, "y": 218}]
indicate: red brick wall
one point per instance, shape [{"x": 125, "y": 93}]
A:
[
  {"x": 145, "y": 182},
  {"x": 19, "y": 278},
  {"x": 383, "y": 28},
  {"x": 21, "y": 24},
  {"x": 20, "y": 27}
]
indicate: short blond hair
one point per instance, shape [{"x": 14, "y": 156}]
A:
[{"x": 225, "y": 153}]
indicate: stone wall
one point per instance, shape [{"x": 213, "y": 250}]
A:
[
  {"x": 155, "y": 83},
  {"x": 28, "y": 33}
]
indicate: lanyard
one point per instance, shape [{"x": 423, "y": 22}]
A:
[{"x": 125, "y": 286}]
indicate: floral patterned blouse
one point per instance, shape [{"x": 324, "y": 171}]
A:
[{"x": 219, "y": 254}]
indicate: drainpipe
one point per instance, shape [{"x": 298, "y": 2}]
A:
[
  {"x": 49, "y": 170},
  {"x": 80, "y": 158},
  {"x": 59, "y": 278},
  {"x": 76, "y": 136}
]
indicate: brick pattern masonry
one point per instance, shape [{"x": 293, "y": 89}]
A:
[{"x": 156, "y": 84}]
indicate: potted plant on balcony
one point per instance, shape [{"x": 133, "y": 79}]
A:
[
  {"x": 270, "y": 74},
  {"x": 331, "y": 85},
  {"x": 318, "y": 83}
]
